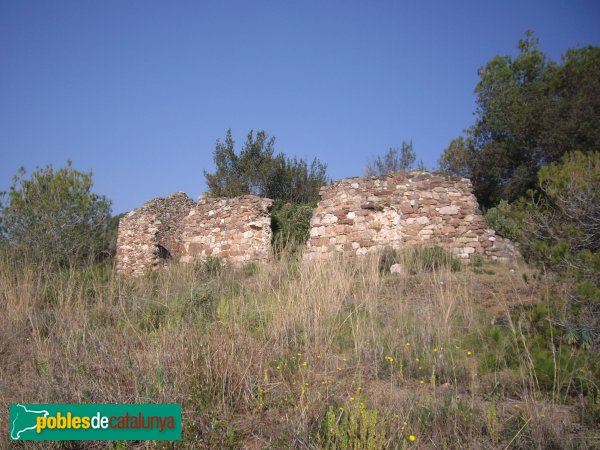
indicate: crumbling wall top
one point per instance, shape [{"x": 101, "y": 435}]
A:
[{"x": 150, "y": 234}]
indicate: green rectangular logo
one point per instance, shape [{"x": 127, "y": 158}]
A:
[{"x": 67, "y": 422}]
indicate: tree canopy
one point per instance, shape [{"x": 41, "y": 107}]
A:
[
  {"x": 530, "y": 112},
  {"x": 54, "y": 216},
  {"x": 396, "y": 159},
  {"x": 258, "y": 170}
]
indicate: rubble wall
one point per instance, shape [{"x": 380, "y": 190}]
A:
[
  {"x": 356, "y": 216},
  {"x": 235, "y": 229},
  {"x": 151, "y": 234}
]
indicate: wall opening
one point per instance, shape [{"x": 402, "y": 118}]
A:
[{"x": 162, "y": 253}]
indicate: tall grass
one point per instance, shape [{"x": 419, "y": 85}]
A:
[{"x": 296, "y": 354}]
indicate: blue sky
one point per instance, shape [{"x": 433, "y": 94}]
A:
[{"x": 138, "y": 91}]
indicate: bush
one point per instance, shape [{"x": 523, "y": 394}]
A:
[
  {"x": 290, "y": 223},
  {"x": 502, "y": 219},
  {"x": 561, "y": 232},
  {"x": 54, "y": 216},
  {"x": 356, "y": 426}
]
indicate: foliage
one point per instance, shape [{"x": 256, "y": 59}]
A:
[
  {"x": 530, "y": 112},
  {"x": 503, "y": 220},
  {"x": 561, "y": 232},
  {"x": 112, "y": 232},
  {"x": 258, "y": 170},
  {"x": 290, "y": 223},
  {"x": 428, "y": 259},
  {"x": 457, "y": 158},
  {"x": 292, "y": 339},
  {"x": 356, "y": 426},
  {"x": 562, "y": 217},
  {"x": 396, "y": 159},
  {"x": 54, "y": 216}
]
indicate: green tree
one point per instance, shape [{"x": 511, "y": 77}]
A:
[
  {"x": 457, "y": 158},
  {"x": 227, "y": 181},
  {"x": 560, "y": 229},
  {"x": 563, "y": 213},
  {"x": 530, "y": 112},
  {"x": 396, "y": 159},
  {"x": 55, "y": 217},
  {"x": 257, "y": 169},
  {"x": 260, "y": 171}
]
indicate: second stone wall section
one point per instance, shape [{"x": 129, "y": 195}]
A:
[
  {"x": 235, "y": 229},
  {"x": 357, "y": 216}
]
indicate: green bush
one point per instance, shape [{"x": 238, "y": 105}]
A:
[
  {"x": 53, "y": 216},
  {"x": 290, "y": 223},
  {"x": 561, "y": 233},
  {"x": 502, "y": 219}
]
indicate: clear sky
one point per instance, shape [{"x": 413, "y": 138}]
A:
[{"x": 138, "y": 91}]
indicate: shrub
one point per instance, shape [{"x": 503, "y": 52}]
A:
[
  {"x": 290, "y": 223},
  {"x": 501, "y": 218},
  {"x": 561, "y": 233},
  {"x": 356, "y": 426},
  {"x": 54, "y": 216}
]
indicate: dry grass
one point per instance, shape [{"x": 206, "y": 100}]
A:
[{"x": 258, "y": 356}]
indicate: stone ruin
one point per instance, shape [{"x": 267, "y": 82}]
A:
[
  {"x": 235, "y": 229},
  {"x": 354, "y": 217},
  {"x": 151, "y": 234}
]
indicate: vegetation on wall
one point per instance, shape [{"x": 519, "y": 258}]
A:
[{"x": 293, "y": 184}]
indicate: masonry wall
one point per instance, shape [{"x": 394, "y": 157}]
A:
[
  {"x": 356, "y": 216},
  {"x": 151, "y": 234},
  {"x": 235, "y": 229}
]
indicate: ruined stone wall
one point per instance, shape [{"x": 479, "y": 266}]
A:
[
  {"x": 235, "y": 229},
  {"x": 151, "y": 234},
  {"x": 356, "y": 216},
  {"x": 238, "y": 230}
]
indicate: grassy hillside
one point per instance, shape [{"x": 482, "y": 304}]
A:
[{"x": 306, "y": 355}]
